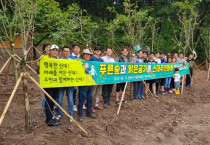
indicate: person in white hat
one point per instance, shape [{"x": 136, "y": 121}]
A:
[
  {"x": 53, "y": 92},
  {"x": 85, "y": 92}
]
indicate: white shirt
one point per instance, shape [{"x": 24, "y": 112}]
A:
[
  {"x": 108, "y": 59},
  {"x": 177, "y": 77},
  {"x": 157, "y": 60},
  {"x": 180, "y": 60}
]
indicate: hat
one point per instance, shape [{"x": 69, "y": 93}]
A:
[
  {"x": 54, "y": 46},
  {"x": 137, "y": 48},
  {"x": 86, "y": 51},
  {"x": 97, "y": 48}
]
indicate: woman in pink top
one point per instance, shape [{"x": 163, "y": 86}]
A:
[{"x": 107, "y": 89}]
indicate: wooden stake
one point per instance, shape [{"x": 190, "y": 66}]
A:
[
  {"x": 37, "y": 50},
  {"x": 198, "y": 65},
  {"x": 207, "y": 65},
  {"x": 33, "y": 80},
  {"x": 5, "y": 64},
  {"x": 10, "y": 98},
  {"x": 32, "y": 69},
  {"x": 122, "y": 98},
  {"x": 182, "y": 84},
  {"x": 28, "y": 66},
  {"x": 150, "y": 92},
  {"x": 208, "y": 72},
  {"x": 7, "y": 72}
]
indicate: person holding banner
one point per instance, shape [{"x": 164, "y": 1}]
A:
[
  {"x": 85, "y": 92},
  {"x": 181, "y": 59},
  {"x": 138, "y": 86},
  {"x": 75, "y": 56},
  {"x": 69, "y": 90},
  {"x": 97, "y": 90},
  {"x": 153, "y": 81},
  {"x": 53, "y": 92},
  {"x": 121, "y": 86},
  {"x": 157, "y": 83},
  {"x": 190, "y": 60},
  {"x": 107, "y": 89},
  {"x": 168, "y": 79},
  {"x": 162, "y": 81}
]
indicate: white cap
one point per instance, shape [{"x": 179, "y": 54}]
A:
[
  {"x": 54, "y": 46},
  {"x": 86, "y": 51}
]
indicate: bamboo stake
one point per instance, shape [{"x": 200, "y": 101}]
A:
[
  {"x": 10, "y": 98},
  {"x": 207, "y": 66},
  {"x": 199, "y": 70},
  {"x": 5, "y": 64},
  {"x": 150, "y": 92},
  {"x": 28, "y": 66},
  {"x": 198, "y": 65},
  {"x": 32, "y": 69},
  {"x": 182, "y": 84},
  {"x": 7, "y": 71},
  {"x": 208, "y": 72},
  {"x": 1, "y": 57},
  {"x": 33, "y": 80},
  {"x": 37, "y": 50},
  {"x": 122, "y": 98}
]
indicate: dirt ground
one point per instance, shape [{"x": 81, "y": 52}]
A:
[{"x": 173, "y": 120}]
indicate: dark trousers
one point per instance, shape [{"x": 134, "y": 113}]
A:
[
  {"x": 138, "y": 89},
  {"x": 188, "y": 78},
  {"x": 106, "y": 92},
  {"x": 157, "y": 85},
  {"x": 53, "y": 92},
  {"x": 85, "y": 92},
  {"x": 74, "y": 96}
]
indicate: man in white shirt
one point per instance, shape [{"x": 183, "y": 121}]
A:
[{"x": 107, "y": 89}]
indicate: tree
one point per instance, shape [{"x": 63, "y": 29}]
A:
[
  {"x": 187, "y": 15},
  {"x": 10, "y": 27}
]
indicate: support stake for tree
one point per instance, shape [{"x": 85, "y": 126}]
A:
[
  {"x": 34, "y": 81},
  {"x": 150, "y": 92},
  {"x": 7, "y": 72},
  {"x": 182, "y": 84},
  {"x": 208, "y": 72},
  {"x": 5, "y": 64},
  {"x": 10, "y": 98},
  {"x": 122, "y": 98}
]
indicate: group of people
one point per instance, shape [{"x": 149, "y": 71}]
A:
[{"x": 85, "y": 94}]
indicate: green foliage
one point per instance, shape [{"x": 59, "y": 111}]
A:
[{"x": 115, "y": 24}]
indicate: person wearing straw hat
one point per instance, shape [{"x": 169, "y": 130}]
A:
[{"x": 85, "y": 92}]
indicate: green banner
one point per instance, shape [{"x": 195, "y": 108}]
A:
[{"x": 64, "y": 73}]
